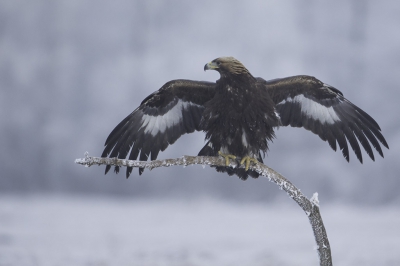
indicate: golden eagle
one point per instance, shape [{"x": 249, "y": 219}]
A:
[{"x": 238, "y": 113}]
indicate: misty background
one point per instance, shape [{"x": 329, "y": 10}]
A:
[{"x": 70, "y": 71}]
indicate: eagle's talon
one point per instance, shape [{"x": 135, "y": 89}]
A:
[
  {"x": 248, "y": 159},
  {"x": 227, "y": 157}
]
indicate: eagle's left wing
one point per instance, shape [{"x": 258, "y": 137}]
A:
[
  {"x": 304, "y": 101},
  {"x": 161, "y": 118}
]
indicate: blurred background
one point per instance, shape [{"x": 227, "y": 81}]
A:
[{"x": 70, "y": 71}]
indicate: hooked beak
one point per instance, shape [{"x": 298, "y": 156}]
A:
[{"x": 210, "y": 66}]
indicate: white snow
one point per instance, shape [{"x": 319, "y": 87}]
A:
[
  {"x": 314, "y": 199},
  {"x": 109, "y": 231}
]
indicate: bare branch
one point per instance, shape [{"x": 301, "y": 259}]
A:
[{"x": 310, "y": 207}]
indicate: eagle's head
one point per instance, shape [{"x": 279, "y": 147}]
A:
[{"x": 227, "y": 66}]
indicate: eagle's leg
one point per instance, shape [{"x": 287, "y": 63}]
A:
[
  {"x": 247, "y": 160},
  {"x": 227, "y": 157}
]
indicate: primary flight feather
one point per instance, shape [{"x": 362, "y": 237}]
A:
[{"x": 238, "y": 113}]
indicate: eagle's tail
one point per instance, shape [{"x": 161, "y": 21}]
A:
[{"x": 208, "y": 150}]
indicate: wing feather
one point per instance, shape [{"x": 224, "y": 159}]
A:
[
  {"x": 304, "y": 101},
  {"x": 162, "y": 117}
]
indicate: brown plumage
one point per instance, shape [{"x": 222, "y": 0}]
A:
[
  {"x": 238, "y": 113},
  {"x": 239, "y": 119}
]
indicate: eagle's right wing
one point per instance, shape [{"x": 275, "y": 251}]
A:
[{"x": 162, "y": 117}]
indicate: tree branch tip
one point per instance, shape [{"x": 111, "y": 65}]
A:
[
  {"x": 87, "y": 161},
  {"x": 83, "y": 161}
]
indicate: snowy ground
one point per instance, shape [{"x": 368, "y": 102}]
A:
[{"x": 108, "y": 231}]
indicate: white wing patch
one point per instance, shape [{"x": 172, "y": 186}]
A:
[
  {"x": 314, "y": 110},
  {"x": 155, "y": 124},
  {"x": 276, "y": 114},
  {"x": 244, "y": 139}
]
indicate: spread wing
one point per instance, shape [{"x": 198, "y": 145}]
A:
[
  {"x": 304, "y": 101},
  {"x": 159, "y": 121}
]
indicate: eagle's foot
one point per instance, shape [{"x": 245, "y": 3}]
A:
[
  {"x": 227, "y": 157},
  {"x": 247, "y": 160}
]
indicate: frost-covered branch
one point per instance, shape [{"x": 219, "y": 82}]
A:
[{"x": 310, "y": 207}]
